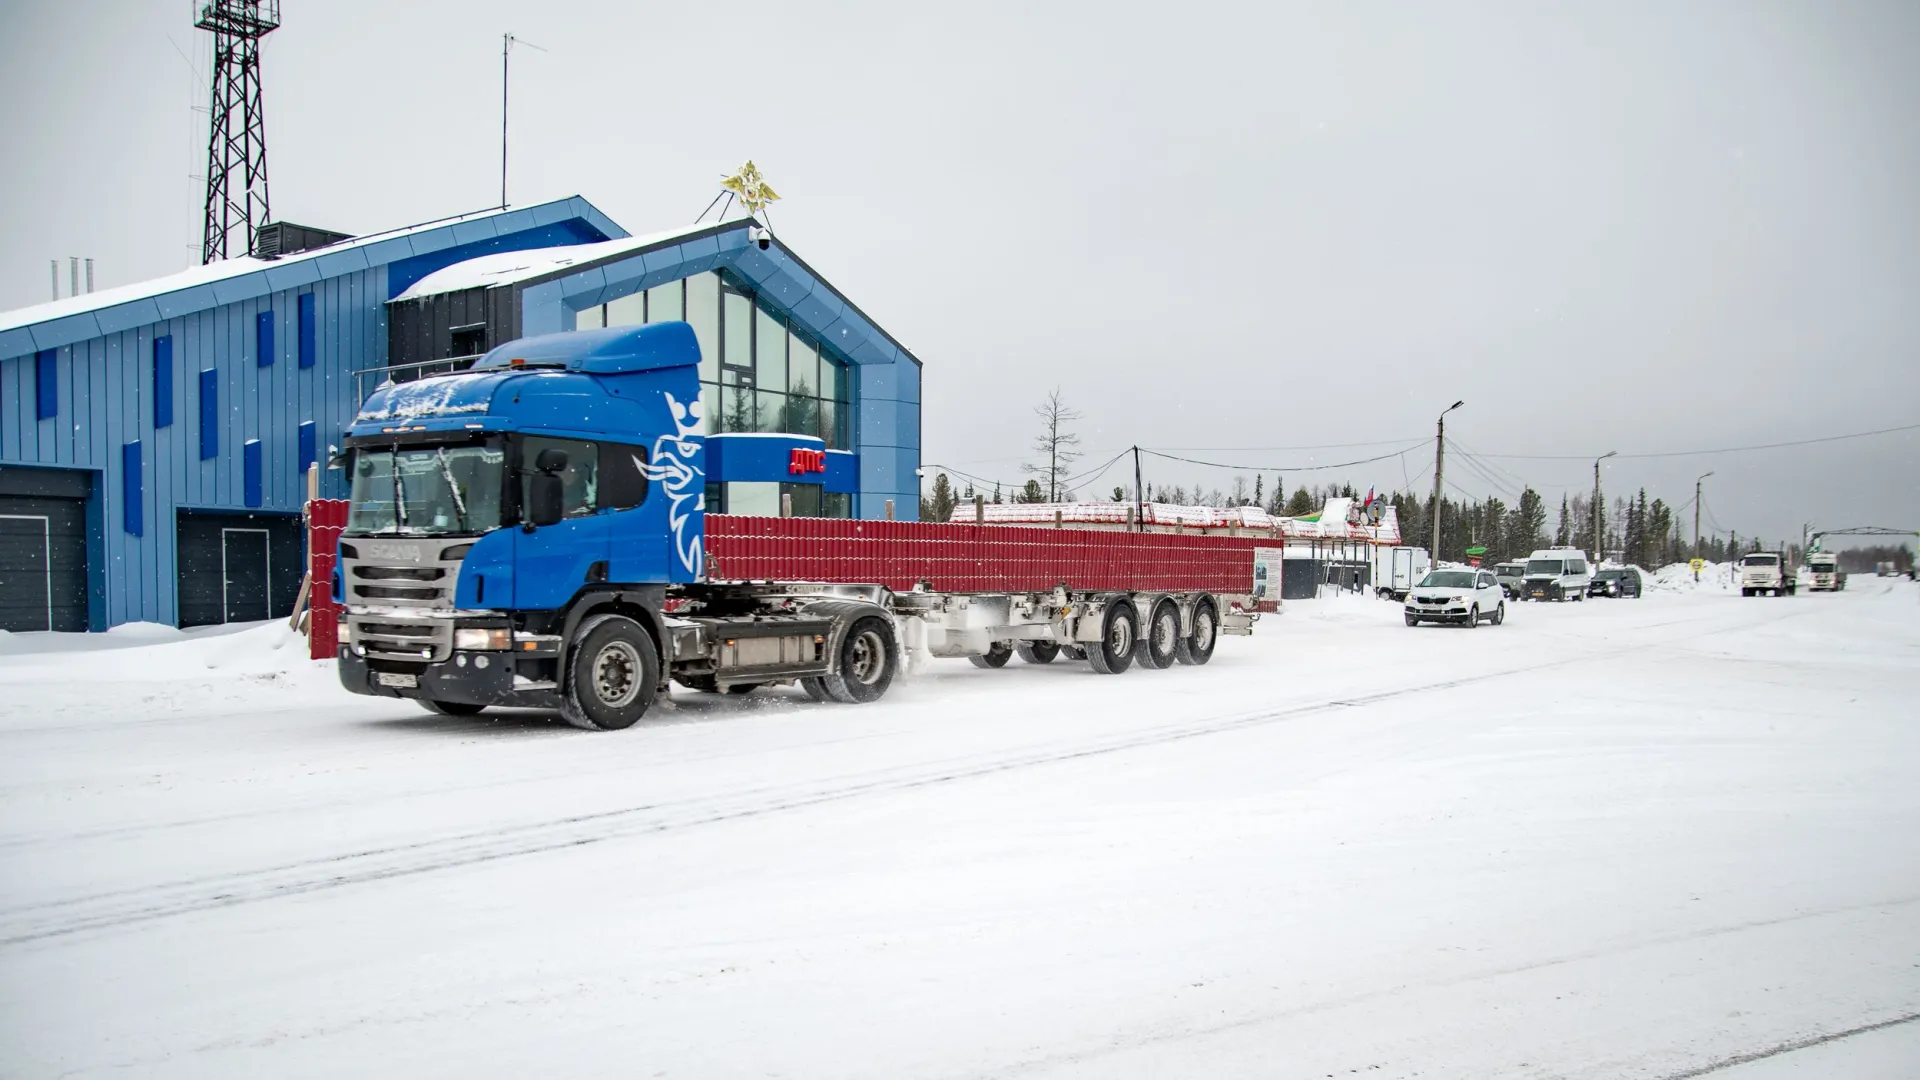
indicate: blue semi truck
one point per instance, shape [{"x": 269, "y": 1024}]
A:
[{"x": 530, "y": 532}]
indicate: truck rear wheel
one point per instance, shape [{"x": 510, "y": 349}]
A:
[
  {"x": 815, "y": 689},
  {"x": 996, "y": 656},
  {"x": 1038, "y": 652},
  {"x": 866, "y": 662},
  {"x": 1160, "y": 644},
  {"x": 1197, "y": 647},
  {"x": 1119, "y": 630},
  {"x": 611, "y": 675}
]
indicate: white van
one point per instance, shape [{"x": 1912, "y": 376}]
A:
[{"x": 1560, "y": 573}]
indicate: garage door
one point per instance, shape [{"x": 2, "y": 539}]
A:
[
  {"x": 238, "y": 567},
  {"x": 43, "y": 563}
]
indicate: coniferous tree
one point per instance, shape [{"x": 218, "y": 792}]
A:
[
  {"x": 1301, "y": 504},
  {"x": 1563, "y": 535}
]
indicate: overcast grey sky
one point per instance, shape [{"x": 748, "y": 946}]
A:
[{"x": 1607, "y": 226}]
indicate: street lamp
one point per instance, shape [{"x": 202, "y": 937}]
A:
[
  {"x": 1696, "y": 523},
  {"x": 1599, "y": 540},
  {"x": 1439, "y": 460}
]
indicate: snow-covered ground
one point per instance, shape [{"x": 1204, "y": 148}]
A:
[{"x": 1660, "y": 838}]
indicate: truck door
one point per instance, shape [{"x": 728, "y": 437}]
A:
[{"x": 552, "y": 562}]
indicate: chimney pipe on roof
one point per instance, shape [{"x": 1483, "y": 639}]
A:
[
  {"x": 73, "y": 275},
  {"x": 53, "y": 272},
  {"x": 89, "y": 274}
]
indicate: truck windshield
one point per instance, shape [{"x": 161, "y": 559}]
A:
[
  {"x": 425, "y": 490},
  {"x": 1547, "y": 567},
  {"x": 1761, "y": 560}
]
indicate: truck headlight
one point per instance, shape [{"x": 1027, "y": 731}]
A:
[
  {"x": 343, "y": 631},
  {"x": 476, "y": 637}
]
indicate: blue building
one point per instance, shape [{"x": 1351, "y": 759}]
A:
[{"x": 154, "y": 439}]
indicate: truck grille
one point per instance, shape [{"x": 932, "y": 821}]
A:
[{"x": 396, "y": 578}]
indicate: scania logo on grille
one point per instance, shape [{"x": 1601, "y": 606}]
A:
[{"x": 393, "y": 552}]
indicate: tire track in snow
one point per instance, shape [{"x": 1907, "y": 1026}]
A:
[
  {"x": 124, "y": 907},
  {"x": 1789, "y": 1047}
]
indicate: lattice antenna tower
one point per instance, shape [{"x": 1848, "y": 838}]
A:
[{"x": 237, "y": 143}]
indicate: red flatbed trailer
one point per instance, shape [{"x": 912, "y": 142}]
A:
[{"x": 987, "y": 592}]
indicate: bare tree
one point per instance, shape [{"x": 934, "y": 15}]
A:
[{"x": 1056, "y": 446}]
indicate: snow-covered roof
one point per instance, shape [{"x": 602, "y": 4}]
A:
[
  {"x": 1191, "y": 517},
  {"x": 509, "y": 267},
  {"x": 152, "y": 296}
]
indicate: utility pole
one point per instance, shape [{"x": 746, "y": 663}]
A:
[
  {"x": 1439, "y": 462},
  {"x": 1696, "y": 519},
  {"x": 1599, "y": 538},
  {"x": 1139, "y": 495}
]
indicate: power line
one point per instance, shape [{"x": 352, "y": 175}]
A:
[
  {"x": 1264, "y": 449},
  {"x": 1720, "y": 450},
  {"x": 1282, "y": 468}
]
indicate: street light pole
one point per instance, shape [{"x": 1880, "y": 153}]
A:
[
  {"x": 1599, "y": 539},
  {"x": 1439, "y": 462},
  {"x": 1696, "y": 520}
]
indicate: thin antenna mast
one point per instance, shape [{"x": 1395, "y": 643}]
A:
[{"x": 507, "y": 42}]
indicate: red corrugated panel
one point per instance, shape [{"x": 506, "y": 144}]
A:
[
  {"x": 326, "y": 518},
  {"x": 974, "y": 558}
]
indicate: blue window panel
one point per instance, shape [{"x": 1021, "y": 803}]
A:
[
  {"x": 46, "y": 384},
  {"x": 309, "y": 446},
  {"x": 209, "y": 414},
  {"x": 163, "y": 381},
  {"x": 250, "y": 467},
  {"x": 308, "y": 330},
  {"x": 130, "y": 487},
  {"x": 263, "y": 338}
]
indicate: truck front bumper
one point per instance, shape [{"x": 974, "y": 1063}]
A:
[{"x": 462, "y": 678}]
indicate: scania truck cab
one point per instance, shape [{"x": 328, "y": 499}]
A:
[{"x": 513, "y": 531}]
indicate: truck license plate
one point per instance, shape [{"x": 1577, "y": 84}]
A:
[
  {"x": 1539, "y": 594},
  {"x": 400, "y": 679}
]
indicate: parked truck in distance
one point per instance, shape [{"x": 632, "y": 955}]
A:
[
  {"x": 532, "y": 532},
  {"x": 1823, "y": 567},
  {"x": 1398, "y": 570},
  {"x": 1766, "y": 572}
]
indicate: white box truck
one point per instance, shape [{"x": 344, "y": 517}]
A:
[{"x": 1396, "y": 570}]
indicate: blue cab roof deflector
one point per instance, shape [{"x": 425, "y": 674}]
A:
[{"x": 614, "y": 351}]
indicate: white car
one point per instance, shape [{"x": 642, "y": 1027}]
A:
[{"x": 1464, "y": 596}]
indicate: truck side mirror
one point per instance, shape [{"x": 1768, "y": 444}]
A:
[{"x": 546, "y": 495}]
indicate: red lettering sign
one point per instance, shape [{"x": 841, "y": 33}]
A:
[{"x": 807, "y": 461}]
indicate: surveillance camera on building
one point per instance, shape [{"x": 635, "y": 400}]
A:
[{"x": 762, "y": 238}]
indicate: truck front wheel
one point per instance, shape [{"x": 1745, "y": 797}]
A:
[
  {"x": 866, "y": 662},
  {"x": 611, "y": 674}
]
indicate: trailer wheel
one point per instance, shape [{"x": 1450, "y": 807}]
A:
[
  {"x": 449, "y": 708},
  {"x": 1197, "y": 648},
  {"x": 611, "y": 675},
  {"x": 1119, "y": 630},
  {"x": 1160, "y": 644},
  {"x": 1038, "y": 652},
  {"x": 1073, "y": 652},
  {"x": 815, "y": 689},
  {"x": 866, "y": 662},
  {"x": 996, "y": 656}
]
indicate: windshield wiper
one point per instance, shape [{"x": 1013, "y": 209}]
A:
[{"x": 459, "y": 504}]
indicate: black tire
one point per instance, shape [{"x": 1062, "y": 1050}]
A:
[
  {"x": 1160, "y": 641},
  {"x": 1473, "y": 617},
  {"x": 1073, "y": 652},
  {"x": 1196, "y": 648},
  {"x": 1412, "y": 621},
  {"x": 1119, "y": 630},
  {"x": 744, "y": 688},
  {"x": 1500, "y": 613},
  {"x": 450, "y": 708},
  {"x": 996, "y": 656},
  {"x": 1038, "y": 652},
  {"x": 815, "y": 689},
  {"x": 866, "y": 662},
  {"x": 612, "y": 674}
]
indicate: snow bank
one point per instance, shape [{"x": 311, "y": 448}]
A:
[{"x": 1678, "y": 578}]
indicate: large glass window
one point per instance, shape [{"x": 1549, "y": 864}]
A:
[
  {"x": 590, "y": 318},
  {"x": 772, "y": 378},
  {"x": 667, "y": 303},
  {"x": 628, "y": 310},
  {"x": 736, "y": 331},
  {"x": 703, "y": 311},
  {"x": 769, "y": 352}
]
